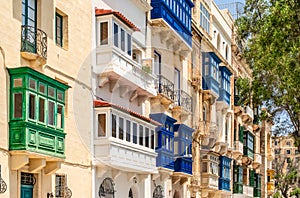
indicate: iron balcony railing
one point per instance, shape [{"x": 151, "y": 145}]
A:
[
  {"x": 34, "y": 40},
  {"x": 183, "y": 99},
  {"x": 165, "y": 87}
]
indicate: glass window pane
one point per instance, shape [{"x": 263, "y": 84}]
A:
[
  {"x": 134, "y": 129},
  {"x": 113, "y": 125},
  {"x": 18, "y": 106},
  {"x": 18, "y": 82},
  {"x": 59, "y": 120},
  {"x": 51, "y": 92},
  {"x": 129, "y": 44},
  {"x": 51, "y": 110},
  {"x": 42, "y": 88},
  {"x": 147, "y": 137},
  {"x": 141, "y": 135},
  {"x": 152, "y": 139},
  {"x": 32, "y": 84},
  {"x": 128, "y": 129},
  {"x": 116, "y": 35},
  {"x": 104, "y": 33},
  {"x": 101, "y": 125},
  {"x": 60, "y": 96},
  {"x": 31, "y": 107},
  {"x": 41, "y": 109},
  {"x": 121, "y": 128},
  {"x": 122, "y": 40}
]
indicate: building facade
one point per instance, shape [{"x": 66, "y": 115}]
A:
[
  {"x": 41, "y": 60},
  {"x": 132, "y": 99}
]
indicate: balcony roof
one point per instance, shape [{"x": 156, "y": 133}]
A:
[
  {"x": 119, "y": 15},
  {"x": 100, "y": 103}
]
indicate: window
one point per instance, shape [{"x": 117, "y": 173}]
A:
[
  {"x": 121, "y": 128},
  {"x": 113, "y": 126},
  {"x": 106, "y": 189},
  {"x": 18, "y": 106},
  {"x": 42, "y": 110},
  {"x": 288, "y": 152},
  {"x": 147, "y": 134},
  {"x": 134, "y": 130},
  {"x": 51, "y": 109},
  {"x": 103, "y": 33},
  {"x": 226, "y": 52},
  {"x": 61, "y": 188},
  {"x": 101, "y": 125},
  {"x": 116, "y": 35},
  {"x": 29, "y": 13},
  {"x": 288, "y": 143},
  {"x": 129, "y": 44},
  {"x": 141, "y": 135},
  {"x": 58, "y": 29},
  {"x": 128, "y": 129},
  {"x": 204, "y": 18},
  {"x": 122, "y": 40}
]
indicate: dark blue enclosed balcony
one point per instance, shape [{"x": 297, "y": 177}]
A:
[
  {"x": 183, "y": 148},
  {"x": 165, "y": 140},
  {"x": 224, "y": 179},
  {"x": 210, "y": 68},
  {"x": 224, "y": 92},
  {"x": 177, "y": 13}
]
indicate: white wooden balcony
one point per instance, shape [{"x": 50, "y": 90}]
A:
[
  {"x": 238, "y": 150},
  {"x": 257, "y": 160},
  {"x": 117, "y": 69},
  {"x": 124, "y": 139},
  {"x": 248, "y": 114}
]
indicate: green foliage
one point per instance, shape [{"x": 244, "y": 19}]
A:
[
  {"x": 269, "y": 37},
  {"x": 243, "y": 87}
]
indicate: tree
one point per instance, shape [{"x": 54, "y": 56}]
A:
[
  {"x": 286, "y": 178},
  {"x": 269, "y": 38}
]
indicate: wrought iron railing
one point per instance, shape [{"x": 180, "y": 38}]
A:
[
  {"x": 165, "y": 87},
  {"x": 183, "y": 99},
  {"x": 34, "y": 40}
]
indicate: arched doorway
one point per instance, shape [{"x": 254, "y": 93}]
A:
[
  {"x": 106, "y": 189},
  {"x": 176, "y": 194},
  {"x": 158, "y": 192}
]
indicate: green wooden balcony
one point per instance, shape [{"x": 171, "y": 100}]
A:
[{"x": 37, "y": 105}]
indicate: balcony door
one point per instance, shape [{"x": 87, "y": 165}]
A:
[
  {"x": 27, "y": 183},
  {"x": 29, "y": 15}
]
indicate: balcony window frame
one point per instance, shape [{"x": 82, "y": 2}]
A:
[
  {"x": 26, "y": 91},
  {"x": 204, "y": 18},
  {"x": 102, "y": 41}
]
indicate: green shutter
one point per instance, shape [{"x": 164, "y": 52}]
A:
[
  {"x": 251, "y": 178},
  {"x": 241, "y": 133}
]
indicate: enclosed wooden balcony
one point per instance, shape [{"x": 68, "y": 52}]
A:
[
  {"x": 270, "y": 188},
  {"x": 33, "y": 45},
  {"x": 124, "y": 139},
  {"x": 257, "y": 160},
  {"x": 247, "y": 116},
  {"x": 238, "y": 150},
  {"x": 210, "y": 171}
]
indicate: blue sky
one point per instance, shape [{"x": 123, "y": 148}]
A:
[{"x": 228, "y": 1}]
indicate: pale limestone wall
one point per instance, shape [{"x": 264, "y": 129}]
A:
[{"x": 67, "y": 64}]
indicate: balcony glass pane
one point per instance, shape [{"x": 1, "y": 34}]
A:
[
  {"x": 121, "y": 128},
  {"x": 18, "y": 106},
  {"x": 51, "y": 112},
  {"x": 128, "y": 129},
  {"x": 59, "y": 119},
  {"x": 116, "y": 35},
  {"x": 32, "y": 106},
  {"x": 41, "y": 109},
  {"x": 122, "y": 40},
  {"x": 152, "y": 139},
  {"x": 141, "y": 135},
  {"x": 104, "y": 33},
  {"x": 113, "y": 125},
  {"x": 134, "y": 130},
  {"x": 147, "y": 134},
  {"x": 101, "y": 125}
]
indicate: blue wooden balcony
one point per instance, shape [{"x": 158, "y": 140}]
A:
[
  {"x": 210, "y": 69},
  {"x": 165, "y": 140},
  {"x": 177, "y": 13},
  {"x": 183, "y": 148},
  {"x": 224, "y": 179},
  {"x": 225, "y": 85}
]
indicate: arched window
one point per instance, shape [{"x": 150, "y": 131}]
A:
[
  {"x": 106, "y": 189},
  {"x": 130, "y": 194},
  {"x": 176, "y": 194},
  {"x": 158, "y": 192}
]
